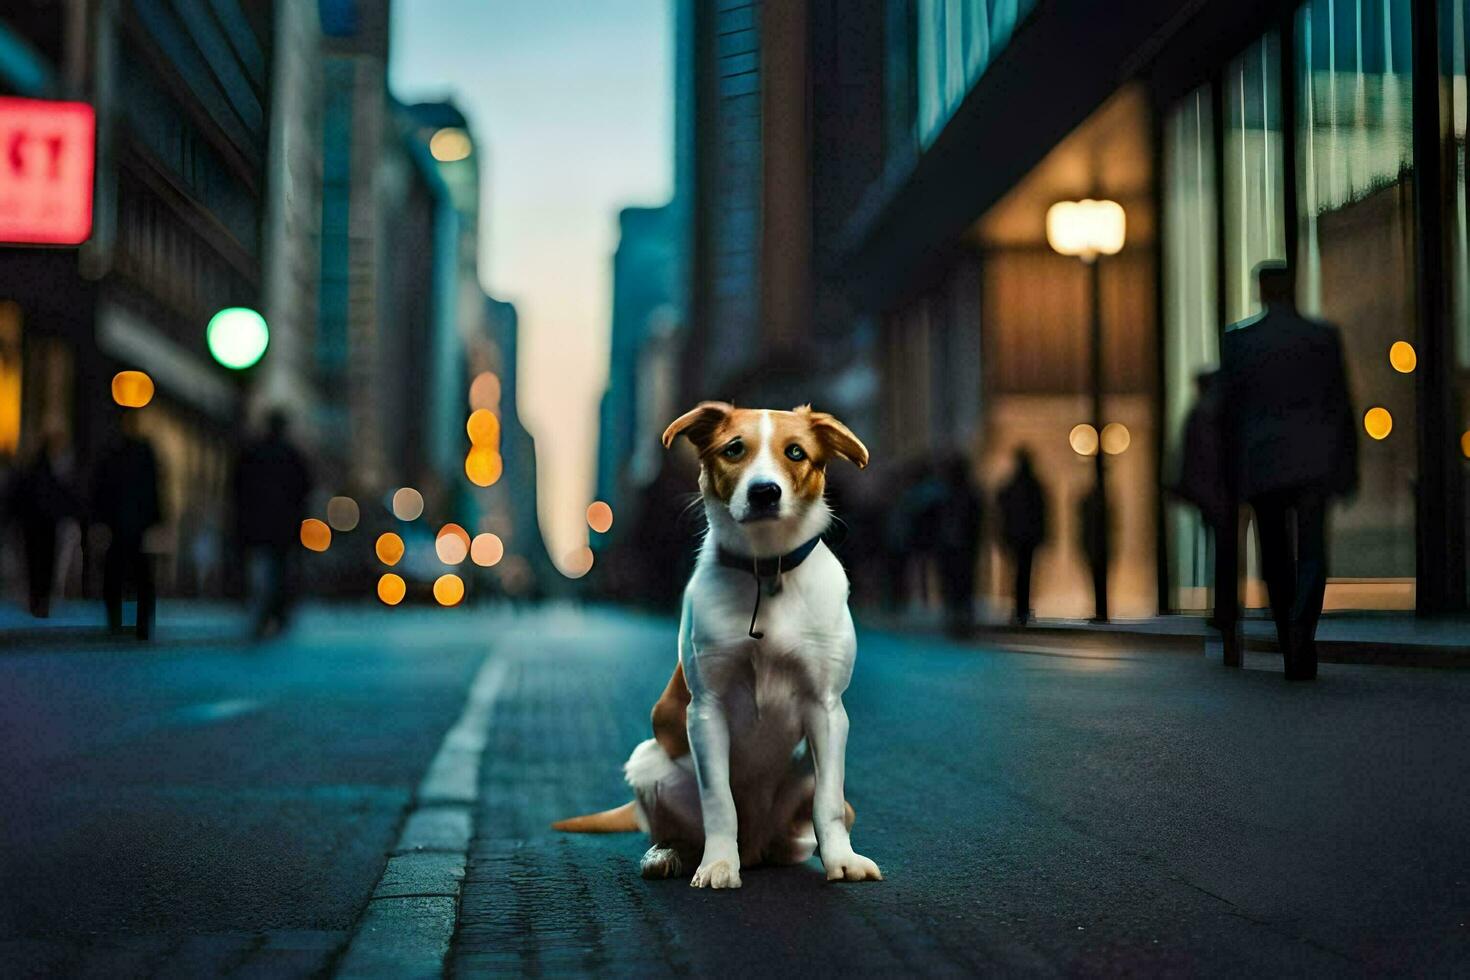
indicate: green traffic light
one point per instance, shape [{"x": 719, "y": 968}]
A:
[{"x": 237, "y": 337}]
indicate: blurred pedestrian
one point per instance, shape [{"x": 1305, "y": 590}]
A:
[
  {"x": 957, "y": 520},
  {"x": 125, "y": 501},
  {"x": 1201, "y": 482},
  {"x": 272, "y": 482},
  {"x": 44, "y": 497},
  {"x": 1291, "y": 445},
  {"x": 1023, "y": 526},
  {"x": 1094, "y": 517}
]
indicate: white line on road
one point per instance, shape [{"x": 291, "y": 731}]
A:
[{"x": 409, "y": 921}]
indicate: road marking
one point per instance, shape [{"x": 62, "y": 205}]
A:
[{"x": 408, "y": 923}]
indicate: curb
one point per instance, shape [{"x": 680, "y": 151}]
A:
[{"x": 406, "y": 929}]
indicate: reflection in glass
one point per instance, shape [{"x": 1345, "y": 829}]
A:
[
  {"x": 956, "y": 41},
  {"x": 1190, "y": 332},
  {"x": 1255, "y": 172},
  {"x": 1454, "y": 34},
  {"x": 1355, "y": 252}
]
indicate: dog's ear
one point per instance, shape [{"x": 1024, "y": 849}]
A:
[
  {"x": 699, "y": 423},
  {"x": 835, "y": 437}
]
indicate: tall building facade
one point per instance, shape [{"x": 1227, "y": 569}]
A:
[{"x": 1329, "y": 135}]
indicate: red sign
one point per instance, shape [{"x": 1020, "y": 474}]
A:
[{"x": 46, "y": 160}]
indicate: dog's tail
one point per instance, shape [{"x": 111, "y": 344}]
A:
[{"x": 615, "y": 821}]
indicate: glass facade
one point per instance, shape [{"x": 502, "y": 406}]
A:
[
  {"x": 1189, "y": 315},
  {"x": 1350, "y": 152},
  {"x": 1355, "y": 252},
  {"x": 955, "y": 41}
]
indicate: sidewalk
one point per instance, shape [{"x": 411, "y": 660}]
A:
[
  {"x": 84, "y": 622},
  {"x": 1398, "y": 639}
]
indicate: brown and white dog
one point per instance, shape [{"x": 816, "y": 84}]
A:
[{"x": 750, "y": 737}]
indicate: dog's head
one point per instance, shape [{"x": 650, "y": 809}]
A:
[{"x": 763, "y": 472}]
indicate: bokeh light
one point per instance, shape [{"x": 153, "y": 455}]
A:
[
  {"x": 408, "y": 504},
  {"x": 315, "y": 535},
  {"x": 487, "y": 550},
  {"x": 448, "y": 590},
  {"x": 599, "y": 516},
  {"x": 484, "y": 429},
  {"x": 1465, "y": 444},
  {"x": 1083, "y": 439},
  {"x": 1115, "y": 438},
  {"x": 485, "y": 391},
  {"x": 389, "y": 547},
  {"x": 342, "y": 513},
  {"x": 392, "y": 588},
  {"x": 452, "y": 544},
  {"x": 1403, "y": 356},
  {"x": 1377, "y": 422},
  {"x": 237, "y": 337},
  {"x": 132, "y": 389},
  {"x": 450, "y": 145},
  {"x": 577, "y": 563},
  {"x": 483, "y": 466}
]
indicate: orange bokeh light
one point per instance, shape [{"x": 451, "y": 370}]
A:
[
  {"x": 448, "y": 590},
  {"x": 132, "y": 389},
  {"x": 599, "y": 516},
  {"x": 577, "y": 563},
  {"x": 484, "y": 429},
  {"x": 315, "y": 535},
  {"x": 487, "y": 550},
  {"x": 392, "y": 589},
  {"x": 389, "y": 547},
  {"x": 483, "y": 466},
  {"x": 485, "y": 391}
]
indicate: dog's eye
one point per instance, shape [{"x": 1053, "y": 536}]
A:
[
  {"x": 795, "y": 452},
  {"x": 735, "y": 450}
]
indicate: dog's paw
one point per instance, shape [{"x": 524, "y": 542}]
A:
[
  {"x": 852, "y": 867},
  {"x": 717, "y": 874},
  {"x": 661, "y": 862}
]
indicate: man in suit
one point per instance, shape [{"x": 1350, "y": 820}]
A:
[
  {"x": 1291, "y": 445},
  {"x": 125, "y": 499}
]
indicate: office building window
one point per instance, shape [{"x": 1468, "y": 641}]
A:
[
  {"x": 956, "y": 40},
  {"x": 1254, "y": 205},
  {"x": 1190, "y": 312},
  {"x": 1354, "y": 157}
]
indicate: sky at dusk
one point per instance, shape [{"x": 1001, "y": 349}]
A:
[{"x": 570, "y": 101}]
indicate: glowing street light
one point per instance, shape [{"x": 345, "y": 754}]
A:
[
  {"x": 237, "y": 337},
  {"x": 1088, "y": 229}
]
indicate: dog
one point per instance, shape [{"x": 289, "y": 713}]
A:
[{"x": 749, "y": 746}]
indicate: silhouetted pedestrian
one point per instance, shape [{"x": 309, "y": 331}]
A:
[
  {"x": 1202, "y": 482},
  {"x": 1023, "y": 526},
  {"x": 125, "y": 500},
  {"x": 1291, "y": 444},
  {"x": 44, "y": 497},
  {"x": 272, "y": 482},
  {"x": 957, "y": 518},
  {"x": 1096, "y": 531}
]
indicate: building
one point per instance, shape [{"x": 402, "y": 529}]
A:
[
  {"x": 179, "y": 195},
  {"x": 1327, "y": 133}
]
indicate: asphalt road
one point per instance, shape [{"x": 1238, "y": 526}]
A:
[
  {"x": 204, "y": 806},
  {"x": 1036, "y": 813}
]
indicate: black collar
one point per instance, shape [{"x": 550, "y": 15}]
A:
[{"x": 767, "y": 567}]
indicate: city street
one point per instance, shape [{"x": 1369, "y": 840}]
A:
[{"x": 206, "y": 806}]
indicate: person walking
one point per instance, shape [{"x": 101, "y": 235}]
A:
[
  {"x": 958, "y": 516},
  {"x": 272, "y": 482},
  {"x": 1291, "y": 445},
  {"x": 1201, "y": 482},
  {"x": 125, "y": 501},
  {"x": 44, "y": 497},
  {"x": 1023, "y": 527}
]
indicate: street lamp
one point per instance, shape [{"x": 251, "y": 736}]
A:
[{"x": 1089, "y": 229}]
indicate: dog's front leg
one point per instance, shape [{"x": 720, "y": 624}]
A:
[
  {"x": 826, "y": 734},
  {"x": 709, "y": 738}
]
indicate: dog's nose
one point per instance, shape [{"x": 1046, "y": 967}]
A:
[{"x": 764, "y": 496}]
